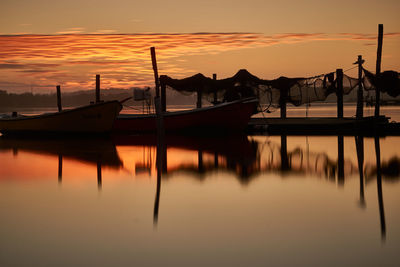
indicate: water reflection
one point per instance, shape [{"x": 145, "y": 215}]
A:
[{"x": 199, "y": 158}]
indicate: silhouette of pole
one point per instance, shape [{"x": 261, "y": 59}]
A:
[
  {"x": 215, "y": 89},
  {"x": 339, "y": 92},
  {"x": 282, "y": 101},
  {"x": 379, "y": 188},
  {"x": 59, "y": 98},
  {"x": 97, "y": 88},
  {"x": 378, "y": 69},
  {"x": 155, "y": 70},
  {"x": 360, "y": 96}
]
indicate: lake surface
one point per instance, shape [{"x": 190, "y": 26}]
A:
[{"x": 211, "y": 201}]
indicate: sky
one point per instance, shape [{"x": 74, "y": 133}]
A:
[{"x": 47, "y": 43}]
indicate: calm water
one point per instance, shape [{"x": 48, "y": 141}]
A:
[{"x": 233, "y": 201}]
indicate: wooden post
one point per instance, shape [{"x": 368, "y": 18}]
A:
[
  {"x": 215, "y": 89},
  {"x": 200, "y": 166},
  {"x": 163, "y": 98},
  {"x": 378, "y": 69},
  {"x": 360, "y": 97},
  {"x": 154, "y": 62},
  {"x": 199, "y": 96},
  {"x": 340, "y": 160},
  {"x": 59, "y": 98},
  {"x": 339, "y": 92},
  {"x": 97, "y": 88},
  {"x": 282, "y": 102}
]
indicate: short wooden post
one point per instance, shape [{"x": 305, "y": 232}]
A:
[
  {"x": 282, "y": 102},
  {"x": 97, "y": 88},
  {"x": 215, "y": 89},
  {"x": 199, "y": 96},
  {"x": 59, "y": 98},
  {"x": 378, "y": 69},
  {"x": 339, "y": 92},
  {"x": 360, "y": 96},
  {"x": 163, "y": 97}
]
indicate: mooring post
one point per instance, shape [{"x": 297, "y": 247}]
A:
[
  {"x": 339, "y": 92},
  {"x": 59, "y": 98},
  {"x": 360, "y": 96},
  {"x": 199, "y": 96},
  {"x": 282, "y": 102},
  {"x": 215, "y": 89},
  {"x": 97, "y": 88},
  {"x": 378, "y": 69}
]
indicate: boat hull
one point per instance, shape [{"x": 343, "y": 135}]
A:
[
  {"x": 96, "y": 118},
  {"x": 232, "y": 116}
]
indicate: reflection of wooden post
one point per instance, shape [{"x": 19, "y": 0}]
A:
[
  {"x": 200, "y": 161},
  {"x": 339, "y": 92},
  {"x": 60, "y": 168},
  {"x": 216, "y": 160},
  {"x": 360, "y": 158},
  {"x": 379, "y": 188},
  {"x": 157, "y": 200},
  {"x": 59, "y": 98},
  {"x": 97, "y": 88},
  {"x": 284, "y": 156},
  {"x": 360, "y": 97},
  {"x": 215, "y": 89},
  {"x": 99, "y": 179},
  {"x": 378, "y": 68},
  {"x": 340, "y": 160}
]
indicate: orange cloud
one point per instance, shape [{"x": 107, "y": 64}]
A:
[{"x": 73, "y": 59}]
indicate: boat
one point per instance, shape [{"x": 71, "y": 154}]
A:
[
  {"x": 226, "y": 117},
  {"x": 94, "y": 118}
]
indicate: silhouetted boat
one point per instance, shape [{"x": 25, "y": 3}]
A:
[
  {"x": 230, "y": 116},
  {"x": 95, "y": 118}
]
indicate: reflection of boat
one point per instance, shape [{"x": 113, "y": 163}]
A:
[
  {"x": 96, "y": 118},
  {"x": 226, "y": 116},
  {"x": 93, "y": 151}
]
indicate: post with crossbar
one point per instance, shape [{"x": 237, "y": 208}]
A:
[
  {"x": 339, "y": 92},
  {"x": 360, "y": 96}
]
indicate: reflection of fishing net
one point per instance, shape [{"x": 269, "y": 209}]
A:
[{"x": 298, "y": 91}]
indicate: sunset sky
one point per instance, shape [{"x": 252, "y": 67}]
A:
[{"x": 44, "y": 43}]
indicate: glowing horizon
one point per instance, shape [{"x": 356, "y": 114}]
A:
[{"x": 123, "y": 60}]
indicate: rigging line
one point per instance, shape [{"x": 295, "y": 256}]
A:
[{"x": 351, "y": 68}]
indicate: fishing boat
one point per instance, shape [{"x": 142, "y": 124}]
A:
[
  {"x": 228, "y": 116},
  {"x": 94, "y": 118}
]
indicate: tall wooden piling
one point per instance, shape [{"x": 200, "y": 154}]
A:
[
  {"x": 360, "y": 96},
  {"x": 97, "y": 88},
  {"x": 155, "y": 70},
  {"x": 378, "y": 69},
  {"x": 339, "y": 92},
  {"x": 215, "y": 89},
  {"x": 59, "y": 98}
]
